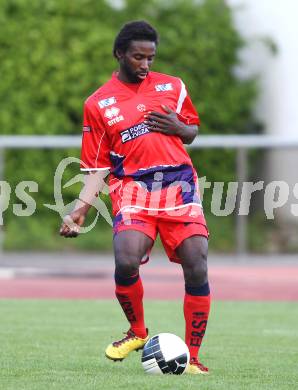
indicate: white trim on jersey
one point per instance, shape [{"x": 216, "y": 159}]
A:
[
  {"x": 159, "y": 166},
  {"x": 160, "y": 209},
  {"x": 182, "y": 97},
  {"x": 95, "y": 169},
  {"x": 99, "y": 143}
]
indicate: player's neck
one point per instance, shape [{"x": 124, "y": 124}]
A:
[{"x": 122, "y": 76}]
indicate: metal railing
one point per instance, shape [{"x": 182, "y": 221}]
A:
[{"x": 241, "y": 143}]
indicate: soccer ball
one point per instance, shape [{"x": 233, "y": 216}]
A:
[{"x": 165, "y": 353}]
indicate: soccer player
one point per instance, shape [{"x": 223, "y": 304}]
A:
[{"x": 134, "y": 129}]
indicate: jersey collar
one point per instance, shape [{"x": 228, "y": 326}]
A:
[{"x": 125, "y": 85}]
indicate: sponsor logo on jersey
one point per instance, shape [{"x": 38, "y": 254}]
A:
[
  {"x": 141, "y": 107},
  {"x": 87, "y": 129},
  {"x": 134, "y": 132},
  {"x": 107, "y": 102},
  {"x": 164, "y": 87},
  {"x": 113, "y": 114},
  {"x": 116, "y": 120}
]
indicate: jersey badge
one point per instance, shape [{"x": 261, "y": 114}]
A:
[
  {"x": 164, "y": 87},
  {"x": 107, "y": 102},
  {"x": 141, "y": 107}
]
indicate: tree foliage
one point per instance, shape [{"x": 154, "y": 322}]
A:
[{"x": 56, "y": 53}]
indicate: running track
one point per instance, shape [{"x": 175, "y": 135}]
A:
[{"x": 94, "y": 280}]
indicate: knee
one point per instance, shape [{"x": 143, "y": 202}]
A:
[
  {"x": 127, "y": 266},
  {"x": 196, "y": 274},
  {"x": 195, "y": 269}
]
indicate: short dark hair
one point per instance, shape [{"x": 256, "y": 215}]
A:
[{"x": 138, "y": 30}]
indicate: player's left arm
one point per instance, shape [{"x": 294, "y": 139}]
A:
[
  {"x": 184, "y": 122},
  {"x": 170, "y": 124}
]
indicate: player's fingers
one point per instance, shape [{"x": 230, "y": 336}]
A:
[
  {"x": 71, "y": 234},
  {"x": 153, "y": 122},
  {"x": 155, "y": 113},
  {"x": 66, "y": 226},
  {"x": 74, "y": 231},
  {"x": 159, "y": 130},
  {"x": 66, "y": 233},
  {"x": 167, "y": 109},
  {"x": 64, "y": 229},
  {"x": 155, "y": 125},
  {"x": 153, "y": 118},
  {"x": 67, "y": 220},
  {"x": 69, "y": 230},
  {"x": 69, "y": 223}
]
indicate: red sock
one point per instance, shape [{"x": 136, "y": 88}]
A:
[
  {"x": 196, "y": 313},
  {"x": 130, "y": 297}
]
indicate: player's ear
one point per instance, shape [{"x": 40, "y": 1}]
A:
[{"x": 119, "y": 54}]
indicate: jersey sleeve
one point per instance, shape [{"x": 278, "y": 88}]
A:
[
  {"x": 95, "y": 153},
  {"x": 185, "y": 109}
]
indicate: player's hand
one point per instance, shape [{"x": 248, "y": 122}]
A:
[
  {"x": 167, "y": 123},
  {"x": 71, "y": 224}
]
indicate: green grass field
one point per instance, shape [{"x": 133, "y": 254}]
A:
[{"x": 60, "y": 345}]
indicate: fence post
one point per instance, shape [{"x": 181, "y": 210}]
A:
[
  {"x": 1, "y": 178},
  {"x": 241, "y": 220}
]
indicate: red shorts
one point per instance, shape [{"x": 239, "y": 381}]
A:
[{"x": 172, "y": 229}]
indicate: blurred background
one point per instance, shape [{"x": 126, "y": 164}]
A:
[{"x": 238, "y": 59}]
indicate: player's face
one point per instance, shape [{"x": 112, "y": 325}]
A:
[{"x": 137, "y": 60}]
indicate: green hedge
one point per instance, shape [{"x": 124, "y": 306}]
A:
[{"x": 56, "y": 53}]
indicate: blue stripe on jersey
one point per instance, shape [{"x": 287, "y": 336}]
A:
[
  {"x": 164, "y": 175},
  {"x": 160, "y": 177},
  {"x": 117, "y": 163}
]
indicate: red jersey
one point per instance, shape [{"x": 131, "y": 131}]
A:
[{"x": 145, "y": 167}]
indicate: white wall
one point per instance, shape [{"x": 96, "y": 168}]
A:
[{"x": 277, "y": 106}]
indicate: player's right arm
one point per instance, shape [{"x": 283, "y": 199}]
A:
[
  {"x": 95, "y": 161},
  {"x": 94, "y": 182}
]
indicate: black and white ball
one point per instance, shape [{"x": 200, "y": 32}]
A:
[{"x": 165, "y": 353}]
